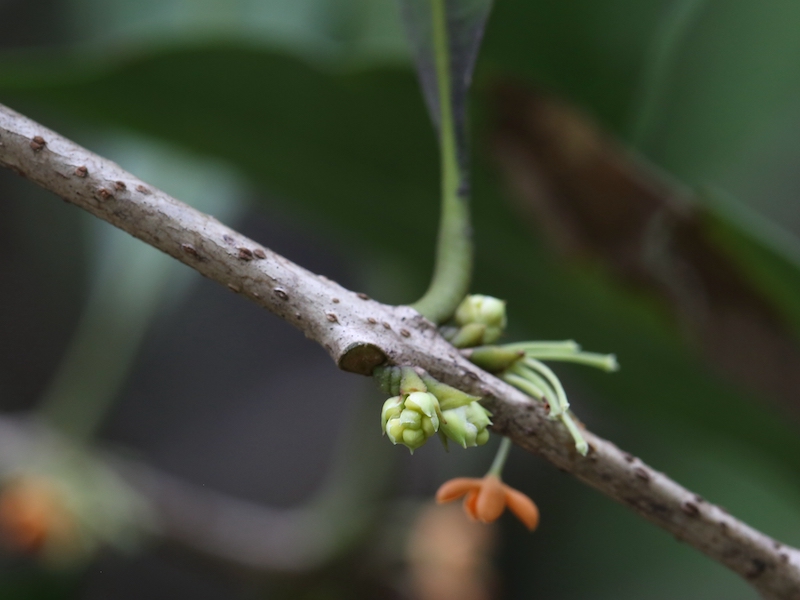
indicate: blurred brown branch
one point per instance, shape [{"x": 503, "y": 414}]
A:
[
  {"x": 360, "y": 334},
  {"x": 595, "y": 201},
  {"x": 236, "y": 532}
]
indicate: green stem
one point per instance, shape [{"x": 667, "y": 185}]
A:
[
  {"x": 606, "y": 362},
  {"x": 540, "y": 392},
  {"x": 452, "y": 271},
  {"x": 539, "y": 382},
  {"x": 565, "y": 346},
  {"x": 122, "y": 302},
  {"x": 500, "y": 458},
  {"x": 580, "y": 442},
  {"x": 92, "y": 372},
  {"x": 543, "y": 370}
]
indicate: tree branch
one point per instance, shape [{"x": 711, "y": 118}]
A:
[{"x": 360, "y": 334}]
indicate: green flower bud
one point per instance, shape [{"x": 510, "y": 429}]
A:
[
  {"x": 477, "y": 310},
  {"x": 482, "y": 437},
  {"x": 466, "y": 425},
  {"x": 413, "y": 438},
  {"x": 423, "y": 403},
  {"x": 410, "y": 420},
  {"x": 391, "y": 409},
  {"x": 485, "y": 310}
]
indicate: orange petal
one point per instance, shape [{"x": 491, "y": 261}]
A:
[
  {"x": 470, "y": 501},
  {"x": 31, "y": 513},
  {"x": 523, "y": 507},
  {"x": 491, "y": 499},
  {"x": 455, "y": 488}
]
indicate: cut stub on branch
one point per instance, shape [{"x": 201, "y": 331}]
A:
[{"x": 595, "y": 201}]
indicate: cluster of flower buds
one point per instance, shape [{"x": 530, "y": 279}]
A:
[
  {"x": 478, "y": 320},
  {"x": 421, "y": 406},
  {"x": 412, "y": 419}
]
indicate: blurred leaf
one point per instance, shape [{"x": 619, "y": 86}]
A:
[
  {"x": 732, "y": 74},
  {"x": 767, "y": 253},
  {"x": 27, "y": 582},
  {"x": 595, "y": 202},
  {"x": 355, "y": 152},
  {"x": 329, "y": 31},
  {"x": 464, "y": 22},
  {"x": 735, "y": 75},
  {"x": 591, "y": 52},
  {"x": 662, "y": 53}
]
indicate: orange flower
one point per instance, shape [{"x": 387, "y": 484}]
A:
[
  {"x": 486, "y": 499},
  {"x": 33, "y": 513}
]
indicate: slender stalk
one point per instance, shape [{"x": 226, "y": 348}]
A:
[
  {"x": 565, "y": 346},
  {"x": 606, "y": 362},
  {"x": 81, "y": 394},
  {"x": 530, "y": 388},
  {"x": 122, "y": 301},
  {"x": 500, "y": 458},
  {"x": 539, "y": 368},
  {"x": 532, "y": 385},
  {"x": 580, "y": 442},
  {"x": 533, "y": 378},
  {"x": 452, "y": 270}
]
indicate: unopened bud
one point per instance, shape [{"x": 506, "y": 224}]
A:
[
  {"x": 391, "y": 409},
  {"x": 486, "y": 310},
  {"x": 411, "y": 421},
  {"x": 467, "y": 425},
  {"x": 482, "y": 320}
]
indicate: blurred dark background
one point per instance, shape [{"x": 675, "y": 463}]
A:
[{"x": 634, "y": 189}]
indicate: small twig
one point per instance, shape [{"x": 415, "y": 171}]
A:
[{"x": 360, "y": 333}]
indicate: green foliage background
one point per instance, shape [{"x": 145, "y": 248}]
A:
[{"x": 314, "y": 104}]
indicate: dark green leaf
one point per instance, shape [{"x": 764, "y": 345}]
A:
[{"x": 465, "y": 22}]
